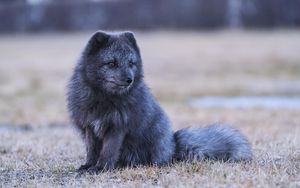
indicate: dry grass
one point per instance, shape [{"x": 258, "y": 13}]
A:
[{"x": 39, "y": 148}]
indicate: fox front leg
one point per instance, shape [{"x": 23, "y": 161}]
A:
[
  {"x": 110, "y": 152},
  {"x": 93, "y": 148}
]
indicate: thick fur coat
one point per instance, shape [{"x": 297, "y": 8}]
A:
[{"x": 121, "y": 122}]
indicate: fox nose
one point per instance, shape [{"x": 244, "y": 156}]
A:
[{"x": 129, "y": 81}]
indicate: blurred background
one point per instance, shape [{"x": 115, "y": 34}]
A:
[
  {"x": 79, "y": 15},
  {"x": 205, "y": 55},
  {"x": 82, "y": 15}
]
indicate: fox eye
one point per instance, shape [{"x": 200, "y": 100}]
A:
[
  {"x": 112, "y": 64},
  {"x": 131, "y": 64}
]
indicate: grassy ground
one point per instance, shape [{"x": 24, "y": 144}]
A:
[{"x": 38, "y": 147}]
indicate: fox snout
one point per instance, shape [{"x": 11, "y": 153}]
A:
[
  {"x": 127, "y": 78},
  {"x": 127, "y": 81}
]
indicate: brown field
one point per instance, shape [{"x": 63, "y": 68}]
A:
[{"x": 38, "y": 147}]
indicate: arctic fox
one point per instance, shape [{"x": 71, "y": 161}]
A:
[{"x": 121, "y": 122}]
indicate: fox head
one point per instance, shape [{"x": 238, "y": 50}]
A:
[{"x": 112, "y": 62}]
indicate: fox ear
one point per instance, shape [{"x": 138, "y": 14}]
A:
[
  {"x": 100, "y": 37},
  {"x": 96, "y": 41},
  {"x": 130, "y": 37}
]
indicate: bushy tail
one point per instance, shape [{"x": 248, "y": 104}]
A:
[{"x": 213, "y": 142}]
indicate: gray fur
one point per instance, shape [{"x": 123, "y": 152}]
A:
[
  {"x": 118, "y": 118},
  {"x": 213, "y": 142}
]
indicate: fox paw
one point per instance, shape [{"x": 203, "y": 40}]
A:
[
  {"x": 84, "y": 168},
  {"x": 94, "y": 170}
]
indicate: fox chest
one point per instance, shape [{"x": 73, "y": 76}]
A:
[{"x": 105, "y": 119}]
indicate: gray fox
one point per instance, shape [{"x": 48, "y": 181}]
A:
[{"x": 120, "y": 121}]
